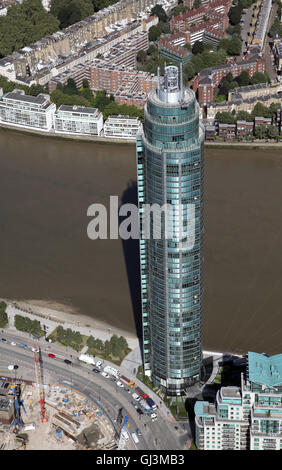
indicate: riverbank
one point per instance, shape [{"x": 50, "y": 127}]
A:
[
  {"x": 113, "y": 140},
  {"x": 69, "y": 137},
  {"x": 245, "y": 145},
  {"x": 53, "y": 314}
]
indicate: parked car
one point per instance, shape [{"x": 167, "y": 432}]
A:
[
  {"x": 139, "y": 411},
  {"x": 133, "y": 403},
  {"x": 119, "y": 384},
  {"x": 16, "y": 367},
  {"x": 96, "y": 371},
  {"x": 104, "y": 374},
  {"x": 67, "y": 361},
  {"x": 153, "y": 417},
  {"x": 99, "y": 363},
  {"x": 138, "y": 432},
  {"x": 4, "y": 340},
  {"x": 136, "y": 396},
  {"x": 13, "y": 343},
  {"x": 51, "y": 355},
  {"x": 22, "y": 345}
]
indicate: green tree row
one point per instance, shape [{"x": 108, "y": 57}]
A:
[
  {"x": 68, "y": 337},
  {"x": 28, "y": 325},
  {"x": 33, "y": 90},
  {"x": 116, "y": 348},
  {"x": 259, "y": 110},
  {"x": 3, "y": 315}
]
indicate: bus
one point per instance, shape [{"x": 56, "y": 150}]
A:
[{"x": 127, "y": 381}]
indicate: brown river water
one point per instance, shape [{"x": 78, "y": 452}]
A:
[{"x": 45, "y": 254}]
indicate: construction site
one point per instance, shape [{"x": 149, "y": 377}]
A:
[
  {"x": 36, "y": 416},
  {"x": 70, "y": 420}
]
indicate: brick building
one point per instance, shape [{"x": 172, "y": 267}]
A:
[{"x": 208, "y": 80}]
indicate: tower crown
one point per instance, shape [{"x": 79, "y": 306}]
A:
[{"x": 170, "y": 89}]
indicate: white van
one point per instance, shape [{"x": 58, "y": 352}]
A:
[
  {"x": 125, "y": 434},
  {"x": 134, "y": 437}
]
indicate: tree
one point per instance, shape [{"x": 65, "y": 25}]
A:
[
  {"x": 235, "y": 14},
  {"x": 197, "y": 4},
  {"x": 198, "y": 48},
  {"x": 158, "y": 11},
  {"x": 260, "y": 132},
  {"x": 244, "y": 78},
  {"x": 3, "y": 315},
  {"x": 154, "y": 33},
  {"x": 225, "y": 117},
  {"x": 272, "y": 132},
  {"x": 276, "y": 28},
  {"x": 244, "y": 116},
  {"x": 24, "y": 24},
  {"x": 141, "y": 56},
  {"x": 260, "y": 110},
  {"x": 189, "y": 71},
  {"x": 85, "y": 83},
  {"x": 258, "y": 77},
  {"x": 71, "y": 11}
]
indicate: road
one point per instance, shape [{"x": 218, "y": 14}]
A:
[
  {"x": 267, "y": 52},
  {"x": 160, "y": 434}
]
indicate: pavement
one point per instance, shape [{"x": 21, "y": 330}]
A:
[{"x": 51, "y": 324}]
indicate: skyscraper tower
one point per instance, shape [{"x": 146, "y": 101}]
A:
[{"x": 170, "y": 171}]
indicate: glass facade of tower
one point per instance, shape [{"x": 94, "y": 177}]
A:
[{"x": 170, "y": 171}]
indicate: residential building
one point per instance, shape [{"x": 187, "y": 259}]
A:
[
  {"x": 244, "y": 128},
  {"x": 22, "y": 110},
  {"x": 226, "y": 131},
  {"x": 171, "y": 48},
  {"x": 247, "y": 417},
  {"x": 78, "y": 120},
  {"x": 210, "y": 133},
  {"x": 123, "y": 127},
  {"x": 277, "y": 51},
  {"x": 206, "y": 83},
  {"x": 170, "y": 171}
]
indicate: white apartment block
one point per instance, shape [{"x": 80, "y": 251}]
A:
[
  {"x": 78, "y": 120},
  {"x": 22, "y": 110},
  {"x": 123, "y": 127},
  {"x": 247, "y": 417}
]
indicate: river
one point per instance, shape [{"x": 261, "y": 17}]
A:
[{"x": 45, "y": 254}]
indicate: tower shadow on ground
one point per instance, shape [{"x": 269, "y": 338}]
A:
[{"x": 132, "y": 261}]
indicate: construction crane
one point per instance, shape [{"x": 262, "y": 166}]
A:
[
  {"x": 39, "y": 381},
  {"x": 18, "y": 422},
  {"x": 122, "y": 439}
]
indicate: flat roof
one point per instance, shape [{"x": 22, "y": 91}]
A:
[
  {"x": 78, "y": 109},
  {"x": 265, "y": 370},
  {"x": 15, "y": 95},
  {"x": 204, "y": 409}
]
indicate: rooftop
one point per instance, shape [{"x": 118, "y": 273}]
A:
[{"x": 265, "y": 370}]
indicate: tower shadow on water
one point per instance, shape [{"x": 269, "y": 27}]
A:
[{"x": 132, "y": 261}]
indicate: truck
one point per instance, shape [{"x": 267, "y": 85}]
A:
[
  {"x": 141, "y": 393},
  {"x": 151, "y": 403},
  {"x": 145, "y": 406},
  {"x": 87, "y": 359},
  {"x": 111, "y": 371},
  {"x": 126, "y": 381}
]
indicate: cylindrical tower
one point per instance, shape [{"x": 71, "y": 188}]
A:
[{"x": 170, "y": 171}]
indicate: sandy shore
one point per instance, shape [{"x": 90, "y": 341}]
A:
[{"x": 64, "y": 314}]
